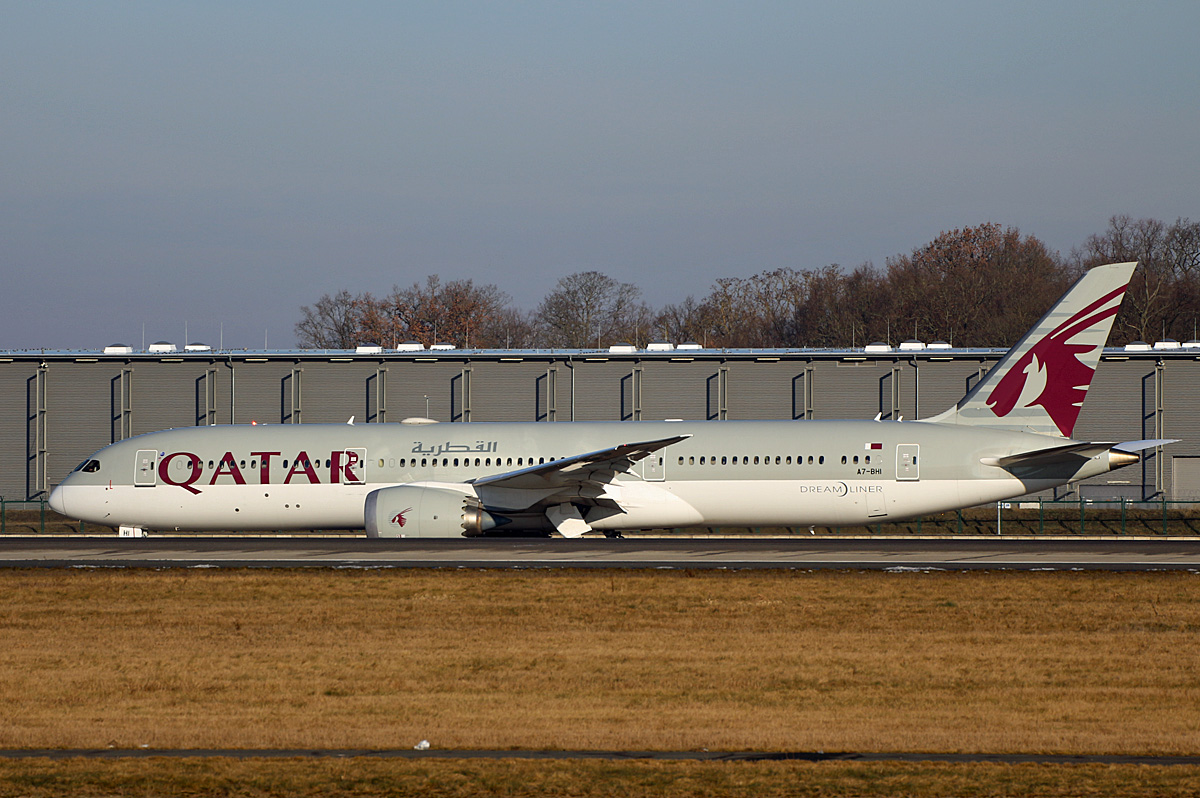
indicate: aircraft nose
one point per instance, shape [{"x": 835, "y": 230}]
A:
[{"x": 58, "y": 500}]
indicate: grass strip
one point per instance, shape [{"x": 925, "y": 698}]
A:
[
  {"x": 583, "y": 779},
  {"x": 602, "y": 660}
]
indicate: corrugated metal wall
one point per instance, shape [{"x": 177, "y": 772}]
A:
[{"x": 85, "y": 403}]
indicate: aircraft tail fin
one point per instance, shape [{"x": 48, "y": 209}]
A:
[{"x": 1040, "y": 384}]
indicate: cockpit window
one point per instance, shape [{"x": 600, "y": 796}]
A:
[{"x": 89, "y": 466}]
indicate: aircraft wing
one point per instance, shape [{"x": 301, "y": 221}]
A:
[{"x": 595, "y": 468}]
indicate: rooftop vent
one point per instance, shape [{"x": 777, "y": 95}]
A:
[
  {"x": 163, "y": 346},
  {"x": 368, "y": 349},
  {"x": 911, "y": 345},
  {"x": 1192, "y": 344},
  {"x": 940, "y": 345},
  {"x": 443, "y": 346},
  {"x": 878, "y": 346},
  {"x": 1137, "y": 346},
  {"x": 1166, "y": 343},
  {"x": 623, "y": 348},
  {"x": 197, "y": 347},
  {"x": 659, "y": 346},
  {"x": 118, "y": 349},
  {"x": 411, "y": 346},
  {"x": 689, "y": 345}
]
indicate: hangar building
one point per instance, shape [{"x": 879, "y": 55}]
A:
[{"x": 57, "y": 407}]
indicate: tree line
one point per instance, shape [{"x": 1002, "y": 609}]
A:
[{"x": 973, "y": 286}]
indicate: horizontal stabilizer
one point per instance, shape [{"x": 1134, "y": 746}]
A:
[
  {"x": 1055, "y": 454},
  {"x": 1120, "y": 454},
  {"x": 1139, "y": 446}
]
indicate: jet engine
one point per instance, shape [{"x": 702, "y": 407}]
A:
[{"x": 427, "y": 512}]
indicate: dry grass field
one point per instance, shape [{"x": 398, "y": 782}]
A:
[
  {"x": 335, "y": 778},
  {"x": 953, "y": 662}
]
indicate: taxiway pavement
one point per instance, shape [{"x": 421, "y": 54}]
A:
[{"x": 1127, "y": 554}]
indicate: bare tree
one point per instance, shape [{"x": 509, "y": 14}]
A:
[
  {"x": 842, "y": 310},
  {"x": 685, "y": 321},
  {"x": 975, "y": 286},
  {"x": 458, "y": 311},
  {"x": 792, "y": 308},
  {"x": 589, "y": 308},
  {"x": 333, "y": 322},
  {"x": 510, "y": 328},
  {"x": 1164, "y": 297}
]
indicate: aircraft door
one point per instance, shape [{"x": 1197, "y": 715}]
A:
[
  {"x": 907, "y": 468},
  {"x": 654, "y": 467},
  {"x": 145, "y": 473},
  {"x": 354, "y": 466}
]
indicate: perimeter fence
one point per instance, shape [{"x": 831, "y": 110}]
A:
[
  {"x": 1078, "y": 517},
  {"x": 1082, "y": 517}
]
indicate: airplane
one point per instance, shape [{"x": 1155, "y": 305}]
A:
[{"x": 1009, "y": 436}]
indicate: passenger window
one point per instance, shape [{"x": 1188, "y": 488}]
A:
[
  {"x": 810, "y": 459},
  {"x": 423, "y": 462},
  {"x": 701, "y": 459},
  {"x": 867, "y": 459},
  {"x": 821, "y": 460},
  {"x": 722, "y": 459},
  {"x": 789, "y": 459},
  {"x": 756, "y": 459},
  {"x": 843, "y": 459},
  {"x": 856, "y": 459}
]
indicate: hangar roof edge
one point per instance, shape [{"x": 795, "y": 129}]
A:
[{"x": 350, "y": 355}]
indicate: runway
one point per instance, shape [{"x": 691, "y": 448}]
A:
[{"x": 957, "y": 554}]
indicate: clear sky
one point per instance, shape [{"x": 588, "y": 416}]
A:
[{"x": 221, "y": 164}]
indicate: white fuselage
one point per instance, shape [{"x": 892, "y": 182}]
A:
[{"x": 765, "y": 473}]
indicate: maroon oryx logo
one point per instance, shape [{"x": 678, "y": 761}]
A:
[
  {"x": 399, "y": 518},
  {"x": 1062, "y": 379}
]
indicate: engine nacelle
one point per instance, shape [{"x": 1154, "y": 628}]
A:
[{"x": 427, "y": 512}]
